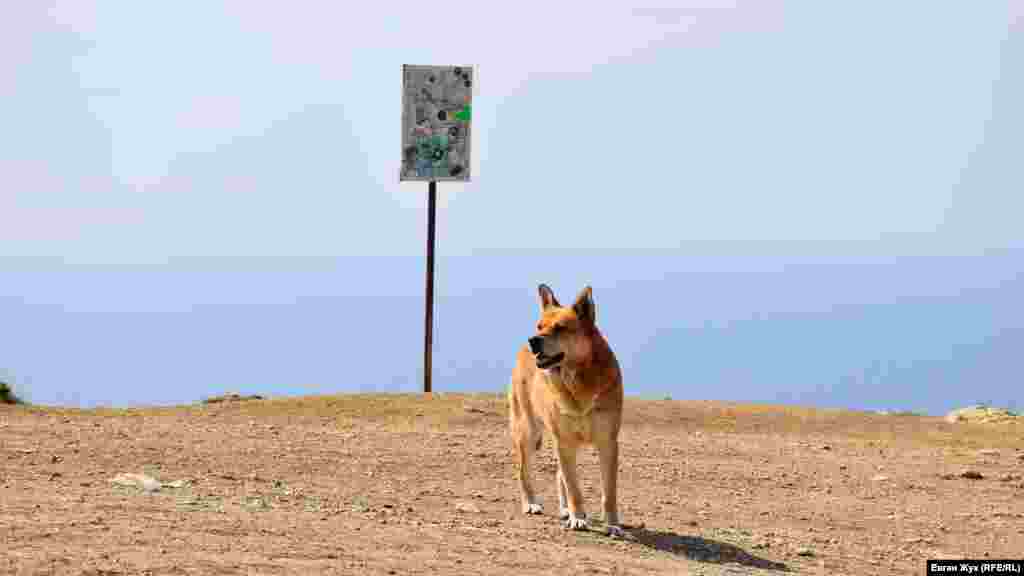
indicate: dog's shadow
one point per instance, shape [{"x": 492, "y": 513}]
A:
[{"x": 697, "y": 548}]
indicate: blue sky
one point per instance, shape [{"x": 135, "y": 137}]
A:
[{"x": 812, "y": 202}]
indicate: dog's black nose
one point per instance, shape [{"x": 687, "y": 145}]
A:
[{"x": 536, "y": 344}]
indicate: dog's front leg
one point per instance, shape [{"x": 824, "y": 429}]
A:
[
  {"x": 577, "y": 518},
  {"x": 524, "y": 445}
]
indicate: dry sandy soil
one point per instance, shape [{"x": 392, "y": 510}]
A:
[{"x": 407, "y": 484}]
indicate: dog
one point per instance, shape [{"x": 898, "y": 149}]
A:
[{"x": 567, "y": 382}]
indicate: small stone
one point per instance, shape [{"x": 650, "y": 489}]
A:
[
  {"x": 146, "y": 483},
  {"x": 971, "y": 475},
  {"x": 467, "y": 507},
  {"x": 879, "y": 478},
  {"x": 807, "y": 552}
]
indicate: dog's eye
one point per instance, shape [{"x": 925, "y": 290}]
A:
[{"x": 559, "y": 327}]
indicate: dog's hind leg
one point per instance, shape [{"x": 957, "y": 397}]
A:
[
  {"x": 608, "y": 455},
  {"x": 563, "y": 503}
]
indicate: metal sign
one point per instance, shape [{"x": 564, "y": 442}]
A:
[{"x": 437, "y": 106}]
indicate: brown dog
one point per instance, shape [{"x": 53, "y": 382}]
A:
[{"x": 567, "y": 381}]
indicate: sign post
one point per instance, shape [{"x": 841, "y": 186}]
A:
[
  {"x": 428, "y": 329},
  {"x": 437, "y": 104}
]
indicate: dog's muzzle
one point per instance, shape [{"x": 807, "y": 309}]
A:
[
  {"x": 536, "y": 345},
  {"x": 543, "y": 361}
]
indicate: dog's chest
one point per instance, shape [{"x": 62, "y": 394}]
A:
[
  {"x": 581, "y": 427},
  {"x": 568, "y": 381},
  {"x": 571, "y": 422}
]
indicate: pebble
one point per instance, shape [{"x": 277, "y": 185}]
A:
[{"x": 146, "y": 483}]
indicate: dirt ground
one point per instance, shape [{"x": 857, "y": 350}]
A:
[{"x": 409, "y": 484}]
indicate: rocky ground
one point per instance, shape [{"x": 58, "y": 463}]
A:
[{"x": 407, "y": 484}]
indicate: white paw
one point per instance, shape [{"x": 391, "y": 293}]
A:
[
  {"x": 616, "y": 531},
  {"x": 533, "y": 509},
  {"x": 563, "y": 513},
  {"x": 574, "y": 522}
]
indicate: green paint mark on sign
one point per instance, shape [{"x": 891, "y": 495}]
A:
[{"x": 464, "y": 114}]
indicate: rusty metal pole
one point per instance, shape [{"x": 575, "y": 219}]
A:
[{"x": 428, "y": 333}]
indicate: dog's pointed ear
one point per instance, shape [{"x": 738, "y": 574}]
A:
[
  {"x": 584, "y": 305},
  {"x": 547, "y": 297}
]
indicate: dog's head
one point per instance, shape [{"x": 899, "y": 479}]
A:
[{"x": 563, "y": 333}]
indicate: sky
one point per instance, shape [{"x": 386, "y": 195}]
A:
[{"x": 802, "y": 202}]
